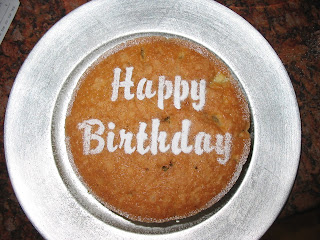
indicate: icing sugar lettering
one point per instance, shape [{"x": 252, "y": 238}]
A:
[
  {"x": 156, "y": 142},
  {"x": 179, "y": 89}
]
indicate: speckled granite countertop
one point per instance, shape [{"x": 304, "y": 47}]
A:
[{"x": 292, "y": 27}]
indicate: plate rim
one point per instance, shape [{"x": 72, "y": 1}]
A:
[{"x": 11, "y": 121}]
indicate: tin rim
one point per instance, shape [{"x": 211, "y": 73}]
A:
[
  {"x": 43, "y": 194},
  {"x": 82, "y": 193}
]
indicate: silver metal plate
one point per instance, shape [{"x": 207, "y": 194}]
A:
[{"x": 52, "y": 196}]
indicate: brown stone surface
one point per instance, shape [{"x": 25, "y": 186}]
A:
[{"x": 292, "y": 27}]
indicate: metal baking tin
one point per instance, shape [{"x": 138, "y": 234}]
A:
[{"x": 49, "y": 191}]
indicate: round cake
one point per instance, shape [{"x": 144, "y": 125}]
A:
[{"x": 158, "y": 129}]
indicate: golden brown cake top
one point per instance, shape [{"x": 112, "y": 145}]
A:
[{"x": 158, "y": 129}]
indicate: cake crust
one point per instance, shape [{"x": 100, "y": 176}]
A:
[{"x": 158, "y": 129}]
